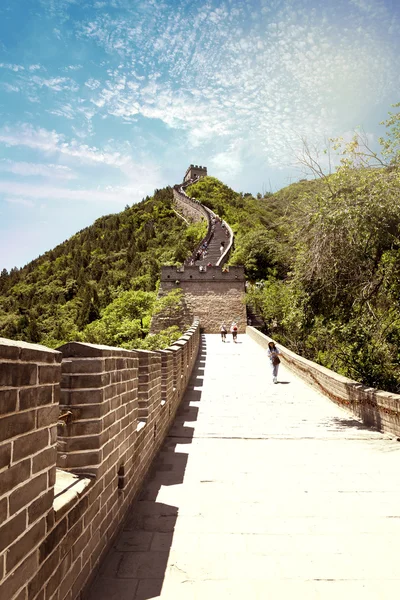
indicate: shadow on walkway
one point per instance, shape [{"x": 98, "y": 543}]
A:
[
  {"x": 352, "y": 423},
  {"x": 135, "y": 567}
]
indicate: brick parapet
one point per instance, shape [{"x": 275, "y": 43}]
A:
[
  {"x": 29, "y": 396},
  {"x": 100, "y": 390},
  {"x": 375, "y": 408},
  {"x": 50, "y": 547},
  {"x": 192, "y": 209}
]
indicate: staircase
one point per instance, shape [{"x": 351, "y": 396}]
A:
[{"x": 219, "y": 234}]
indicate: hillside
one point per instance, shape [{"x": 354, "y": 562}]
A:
[
  {"x": 322, "y": 258},
  {"x": 109, "y": 269},
  {"x": 325, "y": 255}
]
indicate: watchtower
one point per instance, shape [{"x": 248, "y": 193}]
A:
[{"x": 193, "y": 172}]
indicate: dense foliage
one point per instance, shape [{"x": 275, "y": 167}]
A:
[
  {"x": 339, "y": 301},
  {"x": 100, "y": 285}
]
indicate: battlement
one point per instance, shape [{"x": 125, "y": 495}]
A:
[
  {"x": 212, "y": 294},
  {"x": 193, "y": 172},
  {"x": 177, "y": 275},
  {"x": 116, "y": 405}
]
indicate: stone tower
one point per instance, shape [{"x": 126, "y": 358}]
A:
[{"x": 193, "y": 172}]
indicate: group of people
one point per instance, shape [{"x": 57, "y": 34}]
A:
[
  {"x": 272, "y": 351},
  {"x": 233, "y": 330},
  {"x": 202, "y": 251}
]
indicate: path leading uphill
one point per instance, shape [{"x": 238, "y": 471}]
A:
[
  {"x": 261, "y": 491},
  {"x": 213, "y": 250}
]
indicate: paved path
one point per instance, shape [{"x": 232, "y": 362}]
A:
[{"x": 261, "y": 491}]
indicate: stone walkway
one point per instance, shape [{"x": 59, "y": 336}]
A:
[{"x": 261, "y": 491}]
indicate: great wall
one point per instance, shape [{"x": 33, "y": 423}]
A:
[{"x": 80, "y": 428}]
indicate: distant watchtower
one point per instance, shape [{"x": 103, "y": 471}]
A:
[{"x": 193, "y": 172}]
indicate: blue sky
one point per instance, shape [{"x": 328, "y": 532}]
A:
[{"x": 103, "y": 101}]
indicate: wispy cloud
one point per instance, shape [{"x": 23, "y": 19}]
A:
[
  {"x": 130, "y": 91},
  {"x": 51, "y": 142},
  {"x": 26, "y": 169},
  {"x": 20, "y": 201}
]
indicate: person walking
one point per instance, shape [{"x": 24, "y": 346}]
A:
[
  {"x": 234, "y": 330},
  {"x": 274, "y": 359},
  {"x": 223, "y": 332}
]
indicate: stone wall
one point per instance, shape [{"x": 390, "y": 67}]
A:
[
  {"x": 191, "y": 209},
  {"x": 214, "y": 296},
  {"x": 375, "y": 407},
  {"x": 117, "y": 406}
]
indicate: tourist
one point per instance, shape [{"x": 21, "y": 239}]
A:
[
  {"x": 234, "y": 330},
  {"x": 223, "y": 332},
  {"x": 273, "y": 352},
  {"x": 222, "y": 248}
]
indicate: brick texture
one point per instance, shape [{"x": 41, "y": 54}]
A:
[
  {"x": 214, "y": 296},
  {"x": 118, "y": 406}
]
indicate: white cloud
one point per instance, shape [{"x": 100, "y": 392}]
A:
[
  {"x": 15, "y": 191},
  {"x": 57, "y": 84},
  {"x": 20, "y": 201},
  {"x": 10, "y": 88},
  {"x": 51, "y": 142},
  {"x": 26, "y": 169},
  {"x": 235, "y": 72},
  {"x": 12, "y": 67},
  {"x": 92, "y": 84}
]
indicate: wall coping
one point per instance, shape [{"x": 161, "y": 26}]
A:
[
  {"x": 83, "y": 349},
  {"x": 68, "y": 488}
]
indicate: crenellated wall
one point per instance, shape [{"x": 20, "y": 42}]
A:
[
  {"x": 213, "y": 295},
  {"x": 194, "y": 211},
  {"x": 116, "y": 407},
  {"x": 375, "y": 407}
]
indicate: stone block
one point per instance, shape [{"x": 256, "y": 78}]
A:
[
  {"x": 3, "y": 510},
  {"x": 49, "y": 374},
  {"x": 23, "y": 547},
  {"x": 15, "y": 475},
  {"x": 44, "y": 460},
  {"x": 78, "y": 511},
  {"x": 17, "y": 374},
  {"x": 27, "y": 493},
  {"x": 48, "y": 415},
  {"x": 30, "y": 443},
  {"x": 86, "y": 459},
  {"x": 8, "y": 401},
  {"x": 43, "y": 574},
  {"x": 52, "y": 540},
  {"x": 35, "y": 396},
  {"x": 17, "y": 424},
  {"x": 22, "y": 574},
  {"x": 94, "y": 380},
  {"x": 5, "y": 455},
  {"x": 40, "y": 506},
  {"x": 84, "y": 366},
  {"x": 12, "y": 529},
  {"x": 76, "y": 397}
]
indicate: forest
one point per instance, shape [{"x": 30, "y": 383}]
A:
[
  {"x": 322, "y": 257},
  {"x": 100, "y": 286}
]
